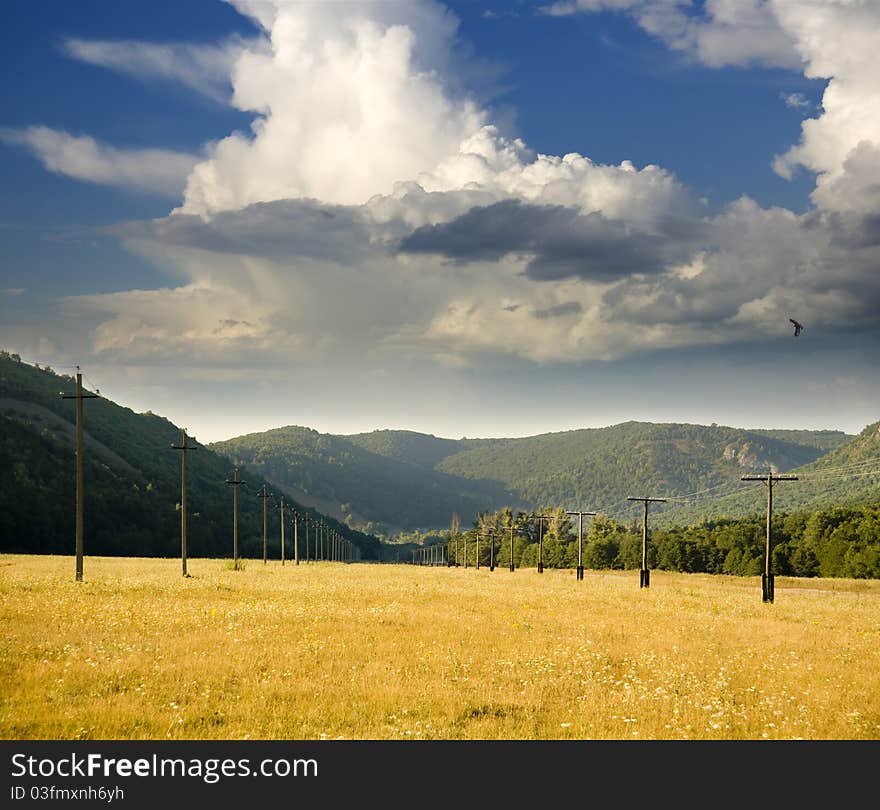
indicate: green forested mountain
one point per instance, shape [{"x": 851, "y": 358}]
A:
[
  {"x": 848, "y": 475},
  {"x": 598, "y": 469},
  {"x": 379, "y": 490},
  {"x": 132, "y": 479},
  {"x": 400, "y": 480}
]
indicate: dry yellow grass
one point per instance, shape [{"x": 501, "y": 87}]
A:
[{"x": 390, "y": 651}]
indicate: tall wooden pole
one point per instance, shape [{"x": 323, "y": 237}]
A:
[
  {"x": 282, "y": 530},
  {"x": 80, "y": 467},
  {"x": 541, "y": 518},
  {"x": 644, "y": 573},
  {"x": 184, "y": 447},
  {"x": 236, "y": 483},
  {"x": 512, "y": 564},
  {"x": 80, "y": 491},
  {"x": 235, "y": 520},
  {"x": 296, "y": 536},
  {"x": 183, "y": 505},
  {"x": 767, "y": 578},
  {"x": 265, "y": 527},
  {"x": 580, "y": 563}
]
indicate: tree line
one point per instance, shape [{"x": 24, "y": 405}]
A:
[{"x": 841, "y": 541}]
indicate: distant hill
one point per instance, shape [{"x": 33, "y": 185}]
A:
[
  {"x": 390, "y": 480},
  {"x": 846, "y": 476},
  {"x": 379, "y": 490},
  {"x": 132, "y": 479}
]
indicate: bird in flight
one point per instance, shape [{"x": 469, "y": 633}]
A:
[{"x": 798, "y": 327}]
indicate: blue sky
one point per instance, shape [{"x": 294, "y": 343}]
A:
[{"x": 473, "y": 218}]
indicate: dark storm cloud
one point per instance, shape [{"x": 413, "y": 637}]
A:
[
  {"x": 563, "y": 242},
  {"x": 273, "y": 230},
  {"x": 852, "y": 231}
]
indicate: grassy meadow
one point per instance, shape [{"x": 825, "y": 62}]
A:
[{"x": 368, "y": 651}]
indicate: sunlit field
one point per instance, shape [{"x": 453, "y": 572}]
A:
[{"x": 373, "y": 651}]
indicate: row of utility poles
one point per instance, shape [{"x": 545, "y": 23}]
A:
[
  {"x": 437, "y": 554},
  {"x": 329, "y": 543},
  {"x": 427, "y": 556}
]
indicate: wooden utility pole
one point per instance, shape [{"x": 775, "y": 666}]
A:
[
  {"x": 580, "y": 516},
  {"x": 79, "y": 396},
  {"x": 644, "y": 573},
  {"x": 454, "y": 531},
  {"x": 236, "y": 483},
  {"x": 540, "y": 518},
  {"x": 282, "y": 530},
  {"x": 512, "y": 529},
  {"x": 767, "y": 584},
  {"x": 265, "y": 495},
  {"x": 295, "y": 536},
  {"x": 184, "y": 448},
  {"x": 477, "y": 541}
]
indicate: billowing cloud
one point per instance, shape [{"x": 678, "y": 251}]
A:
[
  {"x": 378, "y": 111},
  {"x": 159, "y": 171},
  {"x": 838, "y": 41}
]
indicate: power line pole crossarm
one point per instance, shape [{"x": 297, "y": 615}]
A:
[
  {"x": 644, "y": 573},
  {"x": 79, "y": 396},
  {"x": 767, "y": 584}
]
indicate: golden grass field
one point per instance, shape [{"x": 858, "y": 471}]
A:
[{"x": 368, "y": 652}]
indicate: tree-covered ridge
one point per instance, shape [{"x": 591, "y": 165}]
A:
[
  {"x": 132, "y": 479},
  {"x": 397, "y": 480},
  {"x": 599, "y": 468},
  {"x": 846, "y": 476},
  {"x": 371, "y": 489}
]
